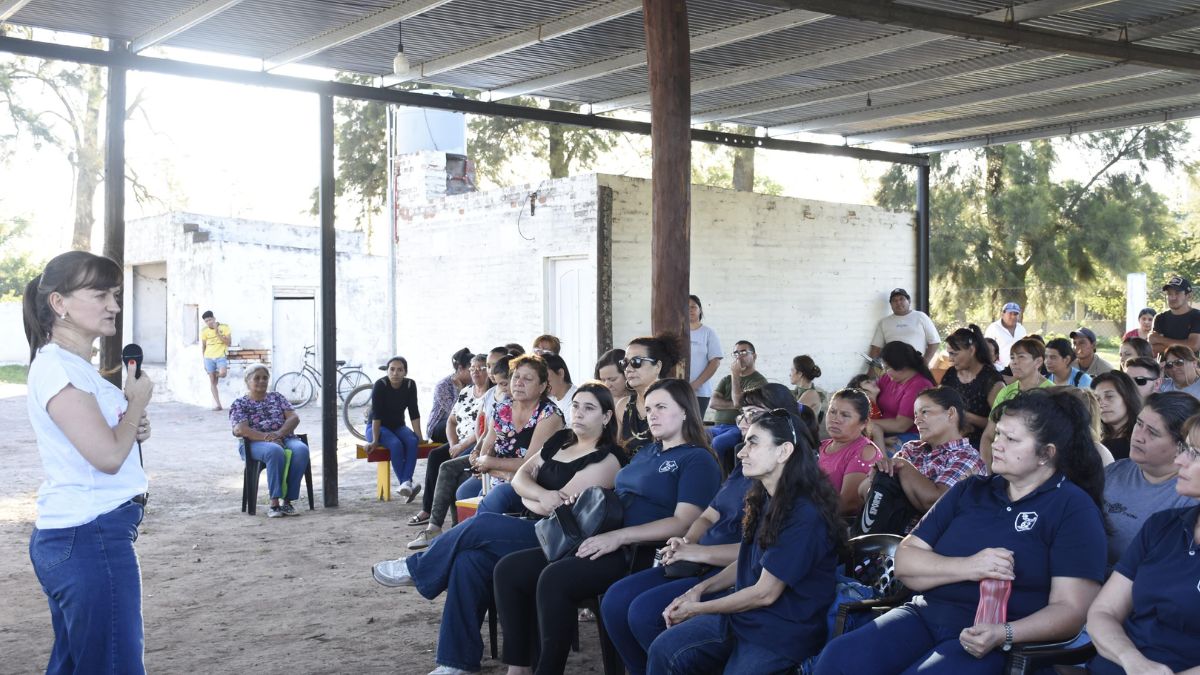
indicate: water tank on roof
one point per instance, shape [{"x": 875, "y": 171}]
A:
[{"x": 420, "y": 129}]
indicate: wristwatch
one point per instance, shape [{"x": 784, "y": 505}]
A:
[{"x": 1008, "y": 638}]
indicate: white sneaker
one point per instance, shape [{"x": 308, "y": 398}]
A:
[
  {"x": 392, "y": 573},
  {"x": 423, "y": 539},
  {"x": 447, "y": 670},
  {"x": 406, "y": 491}
]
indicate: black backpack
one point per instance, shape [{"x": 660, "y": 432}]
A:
[{"x": 886, "y": 509}]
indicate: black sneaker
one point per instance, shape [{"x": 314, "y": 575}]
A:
[
  {"x": 289, "y": 510},
  {"x": 275, "y": 512}
]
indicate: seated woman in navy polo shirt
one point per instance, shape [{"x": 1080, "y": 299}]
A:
[
  {"x": 1036, "y": 522},
  {"x": 664, "y": 489},
  {"x": 783, "y": 578},
  {"x": 1145, "y": 618}
]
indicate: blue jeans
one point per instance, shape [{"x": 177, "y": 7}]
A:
[
  {"x": 469, "y": 488},
  {"x": 501, "y": 499},
  {"x": 272, "y": 455},
  {"x": 402, "y": 445},
  {"x": 632, "y": 612},
  {"x": 460, "y": 562},
  {"x": 92, "y": 581},
  {"x": 901, "y": 641},
  {"x": 724, "y": 438},
  {"x": 705, "y": 644}
]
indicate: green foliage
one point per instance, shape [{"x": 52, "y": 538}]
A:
[
  {"x": 14, "y": 374},
  {"x": 1003, "y": 229},
  {"x": 16, "y": 268},
  {"x": 360, "y": 141}
]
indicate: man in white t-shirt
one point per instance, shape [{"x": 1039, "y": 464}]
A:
[
  {"x": 905, "y": 324},
  {"x": 1006, "y": 331}
]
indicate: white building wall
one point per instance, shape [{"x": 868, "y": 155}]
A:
[
  {"x": 471, "y": 271},
  {"x": 13, "y": 347},
  {"x": 793, "y": 276}
]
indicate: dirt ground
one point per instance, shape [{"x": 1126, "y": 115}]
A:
[{"x": 227, "y": 593}]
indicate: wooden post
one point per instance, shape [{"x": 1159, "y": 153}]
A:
[
  {"x": 668, "y": 59},
  {"x": 329, "y": 399},
  {"x": 114, "y": 201}
]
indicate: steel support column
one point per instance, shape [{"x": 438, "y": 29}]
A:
[
  {"x": 922, "y": 299},
  {"x": 329, "y": 397},
  {"x": 114, "y": 198}
]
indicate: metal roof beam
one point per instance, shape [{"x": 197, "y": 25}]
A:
[
  {"x": 914, "y": 77},
  {"x": 1042, "y": 112},
  {"x": 832, "y": 123},
  {"x": 564, "y": 24},
  {"x": 1067, "y": 129},
  {"x": 1000, "y": 32},
  {"x": 351, "y": 31},
  {"x": 10, "y": 7},
  {"x": 98, "y": 57},
  {"x": 862, "y": 50},
  {"x": 176, "y": 25},
  {"x": 717, "y": 38}
]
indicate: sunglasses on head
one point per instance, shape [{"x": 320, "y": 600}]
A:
[
  {"x": 636, "y": 362},
  {"x": 753, "y": 416}
]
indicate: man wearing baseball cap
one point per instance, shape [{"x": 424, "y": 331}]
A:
[
  {"x": 905, "y": 324},
  {"x": 1180, "y": 325},
  {"x": 1006, "y": 331},
  {"x": 1085, "y": 353}
]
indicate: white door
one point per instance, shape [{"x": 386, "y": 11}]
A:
[
  {"x": 150, "y": 311},
  {"x": 571, "y": 313},
  {"x": 293, "y": 327}
]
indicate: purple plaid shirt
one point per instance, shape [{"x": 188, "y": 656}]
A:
[{"x": 947, "y": 463}]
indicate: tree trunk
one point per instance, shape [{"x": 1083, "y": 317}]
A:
[
  {"x": 89, "y": 159},
  {"x": 560, "y": 163},
  {"x": 743, "y": 164},
  {"x": 1012, "y": 287}
]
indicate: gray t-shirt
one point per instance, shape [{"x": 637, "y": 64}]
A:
[
  {"x": 705, "y": 347},
  {"x": 1169, "y": 385},
  {"x": 1129, "y": 499}
]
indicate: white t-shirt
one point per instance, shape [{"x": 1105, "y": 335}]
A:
[
  {"x": 564, "y": 404},
  {"x": 705, "y": 348},
  {"x": 75, "y": 492},
  {"x": 1005, "y": 339},
  {"x": 915, "y": 328}
]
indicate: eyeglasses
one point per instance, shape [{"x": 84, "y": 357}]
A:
[
  {"x": 636, "y": 362},
  {"x": 743, "y": 352},
  {"x": 750, "y": 416},
  {"x": 1143, "y": 381},
  {"x": 1177, "y": 363},
  {"x": 474, "y": 370},
  {"x": 1192, "y": 452},
  {"x": 542, "y": 352}
]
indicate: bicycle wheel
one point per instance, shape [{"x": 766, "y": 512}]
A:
[
  {"x": 356, "y": 413},
  {"x": 296, "y": 388},
  {"x": 349, "y": 381}
]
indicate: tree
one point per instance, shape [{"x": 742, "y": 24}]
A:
[
  {"x": 360, "y": 136},
  {"x": 62, "y": 104},
  {"x": 16, "y": 268},
  {"x": 1002, "y": 226}
]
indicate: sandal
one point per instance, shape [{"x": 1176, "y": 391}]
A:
[{"x": 418, "y": 520}]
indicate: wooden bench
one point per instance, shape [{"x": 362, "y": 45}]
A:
[{"x": 383, "y": 467}]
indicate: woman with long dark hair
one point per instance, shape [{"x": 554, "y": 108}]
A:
[
  {"x": 91, "y": 503},
  {"x": 783, "y": 578},
  {"x": 848, "y": 454},
  {"x": 1120, "y": 406},
  {"x": 391, "y": 398},
  {"x": 905, "y": 376},
  {"x": 461, "y": 562},
  {"x": 664, "y": 489},
  {"x": 647, "y": 359},
  {"x": 1034, "y": 525},
  {"x": 609, "y": 371},
  {"x": 973, "y": 375}
]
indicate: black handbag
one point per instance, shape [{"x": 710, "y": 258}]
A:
[
  {"x": 684, "y": 569},
  {"x": 595, "y": 511}
]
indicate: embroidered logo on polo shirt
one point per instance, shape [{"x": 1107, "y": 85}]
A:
[
  {"x": 668, "y": 466},
  {"x": 1025, "y": 521}
]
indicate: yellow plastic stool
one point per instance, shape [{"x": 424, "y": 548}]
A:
[{"x": 383, "y": 481}]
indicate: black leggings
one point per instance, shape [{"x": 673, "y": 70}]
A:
[
  {"x": 529, "y": 590},
  {"x": 432, "y": 463}
]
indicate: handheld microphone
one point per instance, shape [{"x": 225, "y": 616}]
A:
[{"x": 132, "y": 355}]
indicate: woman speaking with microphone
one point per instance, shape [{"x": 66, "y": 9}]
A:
[{"x": 90, "y": 505}]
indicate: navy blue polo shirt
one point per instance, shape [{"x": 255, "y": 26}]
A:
[
  {"x": 730, "y": 503},
  {"x": 794, "y": 626},
  {"x": 1164, "y": 566},
  {"x": 656, "y": 480},
  {"x": 1054, "y": 531}
]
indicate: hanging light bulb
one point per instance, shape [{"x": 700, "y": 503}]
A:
[{"x": 400, "y": 66}]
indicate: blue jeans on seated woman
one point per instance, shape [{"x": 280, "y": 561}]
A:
[
  {"x": 501, "y": 499},
  {"x": 275, "y": 458},
  {"x": 901, "y": 641},
  {"x": 402, "y": 445},
  {"x": 705, "y": 644},
  {"x": 632, "y": 611},
  {"x": 91, "y": 579},
  {"x": 460, "y": 562}
]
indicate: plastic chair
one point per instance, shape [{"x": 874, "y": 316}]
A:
[
  {"x": 1031, "y": 657},
  {"x": 250, "y": 476},
  {"x": 872, "y": 562}
]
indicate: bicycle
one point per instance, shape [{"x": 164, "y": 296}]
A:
[
  {"x": 356, "y": 410},
  {"x": 300, "y": 387}
]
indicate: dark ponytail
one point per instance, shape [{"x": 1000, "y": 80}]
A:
[{"x": 971, "y": 336}]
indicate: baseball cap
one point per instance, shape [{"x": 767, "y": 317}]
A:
[
  {"x": 899, "y": 291},
  {"x": 1011, "y": 307},
  {"x": 1085, "y": 332},
  {"x": 1178, "y": 283}
]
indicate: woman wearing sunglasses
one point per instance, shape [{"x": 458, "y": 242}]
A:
[
  {"x": 783, "y": 578},
  {"x": 1181, "y": 370},
  {"x": 646, "y": 360}
]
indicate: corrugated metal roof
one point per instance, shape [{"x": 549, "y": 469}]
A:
[{"x": 784, "y": 78}]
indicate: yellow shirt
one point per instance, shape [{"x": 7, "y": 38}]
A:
[{"x": 214, "y": 346}]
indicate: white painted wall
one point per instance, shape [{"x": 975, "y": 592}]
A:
[
  {"x": 793, "y": 276},
  {"x": 13, "y": 347}
]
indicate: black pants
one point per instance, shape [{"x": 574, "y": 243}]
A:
[
  {"x": 530, "y": 591},
  {"x": 437, "y": 432},
  {"x": 432, "y": 463}
]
